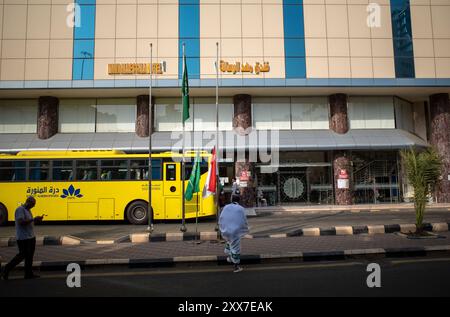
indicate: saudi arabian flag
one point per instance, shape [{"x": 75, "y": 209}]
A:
[
  {"x": 185, "y": 91},
  {"x": 194, "y": 180}
]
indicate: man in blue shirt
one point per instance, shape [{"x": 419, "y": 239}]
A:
[
  {"x": 233, "y": 226},
  {"x": 26, "y": 241}
]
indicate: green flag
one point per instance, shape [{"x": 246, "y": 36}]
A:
[
  {"x": 194, "y": 181},
  {"x": 185, "y": 91}
]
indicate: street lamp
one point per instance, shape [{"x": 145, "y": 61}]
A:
[{"x": 85, "y": 54}]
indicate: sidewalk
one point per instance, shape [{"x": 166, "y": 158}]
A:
[
  {"x": 354, "y": 208},
  {"x": 157, "y": 254},
  {"x": 387, "y": 219}
]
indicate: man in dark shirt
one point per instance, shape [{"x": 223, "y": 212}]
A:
[{"x": 26, "y": 241}]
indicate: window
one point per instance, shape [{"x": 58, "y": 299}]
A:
[
  {"x": 371, "y": 112},
  {"x": 310, "y": 113},
  {"x": 205, "y": 114},
  {"x": 62, "y": 170},
  {"x": 271, "y": 113},
  {"x": 171, "y": 173},
  {"x": 116, "y": 115},
  {"x": 404, "y": 115},
  {"x": 86, "y": 170},
  {"x": 168, "y": 115},
  {"x": 139, "y": 169},
  {"x": 18, "y": 116},
  {"x": 12, "y": 171},
  {"x": 189, "y": 165},
  {"x": 76, "y": 115},
  {"x": 39, "y": 171},
  {"x": 113, "y": 170}
]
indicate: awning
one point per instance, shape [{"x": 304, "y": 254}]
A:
[{"x": 285, "y": 140}]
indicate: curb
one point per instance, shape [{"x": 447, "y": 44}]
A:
[
  {"x": 368, "y": 254},
  {"x": 212, "y": 235},
  {"x": 350, "y": 208}
]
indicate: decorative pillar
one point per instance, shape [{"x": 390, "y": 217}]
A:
[
  {"x": 142, "y": 115},
  {"x": 341, "y": 159},
  {"x": 338, "y": 113},
  {"x": 440, "y": 139},
  {"x": 47, "y": 123},
  {"x": 242, "y": 120},
  {"x": 341, "y": 163},
  {"x": 244, "y": 171}
]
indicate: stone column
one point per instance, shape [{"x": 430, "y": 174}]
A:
[
  {"x": 440, "y": 139},
  {"x": 142, "y": 115},
  {"x": 248, "y": 193},
  {"x": 242, "y": 124},
  {"x": 242, "y": 121},
  {"x": 338, "y": 113},
  {"x": 47, "y": 123},
  {"x": 342, "y": 161}
]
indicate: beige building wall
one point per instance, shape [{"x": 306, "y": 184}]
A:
[
  {"x": 248, "y": 32},
  {"x": 35, "y": 41},
  {"x": 124, "y": 31},
  {"x": 431, "y": 37},
  {"x": 37, "y": 44},
  {"x": 340, "y": 44}
]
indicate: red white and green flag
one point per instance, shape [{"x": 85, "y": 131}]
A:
[{"x": 210, "y": 185}]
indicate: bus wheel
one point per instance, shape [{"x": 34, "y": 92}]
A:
[
  {"x": 3, "y": 215},
  {"x": 137, "y": 213}
]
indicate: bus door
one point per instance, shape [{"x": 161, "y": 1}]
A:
[{"x": 172, "y": 190}]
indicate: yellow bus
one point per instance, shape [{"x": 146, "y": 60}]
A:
[{"x": 99, "y": 185}]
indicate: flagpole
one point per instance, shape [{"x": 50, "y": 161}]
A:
[
  {"x": 217, "y": 139},
  {"x": 196, "y": 217},
  {"x": 150, "y": 120},
  {"x": 183, "y": 224}
]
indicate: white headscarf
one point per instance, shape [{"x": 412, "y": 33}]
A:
[{"x": 233, "y": 222}]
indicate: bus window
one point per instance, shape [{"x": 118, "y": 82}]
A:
[
  {"x": 189, "y": 165},
  {"x": 171, "y": 174},
  {"x": 139, "y": 169},
  {"x": 39, "y": 171},
  {"x": 113, "y": 170},
  {"x": 12, "y": 171},
  {"x": 62, "y": 171},
  {"x": 86, "y": 170}
]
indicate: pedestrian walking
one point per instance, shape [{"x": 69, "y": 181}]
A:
[
  {"x": 26, "y": 240},
  {"x": 233, "y": 226},
  {"x": 234, "y": 188}
]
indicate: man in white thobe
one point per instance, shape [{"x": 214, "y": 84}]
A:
[{"x": 233, "y": 226}]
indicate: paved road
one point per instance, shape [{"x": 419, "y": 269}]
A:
[
  {"x": 162, "y": 251},
  {"x": 399, "y": 277},
  {"x": 263, "y": 224}
]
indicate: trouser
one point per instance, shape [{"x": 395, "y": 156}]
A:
[
  {"x": 26, "y": 252},
  {"x": 233, "y": 250}
]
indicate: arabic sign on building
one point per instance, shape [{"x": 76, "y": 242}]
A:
[
  {"x": 226, "y": 67},
  {"x": 136, "y": 69}
]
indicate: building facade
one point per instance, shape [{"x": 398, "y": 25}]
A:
[{"x": 338, "y": 86}]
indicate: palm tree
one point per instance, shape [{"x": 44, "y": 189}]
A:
[{"x": 423, "y": 169}]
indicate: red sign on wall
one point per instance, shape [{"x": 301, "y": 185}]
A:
[
  {"x": 343, "y": 174},
  {"x": 245, "y": 175}
]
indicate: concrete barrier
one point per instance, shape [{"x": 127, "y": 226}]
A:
[
  {"x": 140, "y": 238},
  {"x": 311, "y": 232},
  {"x": 344, "y": 231},
  {"x": 376, "y": 229}
]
